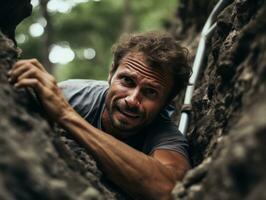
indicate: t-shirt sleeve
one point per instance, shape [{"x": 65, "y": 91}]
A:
[
  {"x": 70, "y": 88},
  {"x": 165, "y": 135},
  {"x": 85, "y": 96},
  {"x": 75, "y": 92}
]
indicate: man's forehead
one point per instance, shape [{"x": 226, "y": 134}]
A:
[
  {"x": 138, "y": 62},
  {"x": 141, "y": 61},
  {"x": 136, "y": 55}
]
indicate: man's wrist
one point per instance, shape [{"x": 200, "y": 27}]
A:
[{"x": 69, "y": 114}]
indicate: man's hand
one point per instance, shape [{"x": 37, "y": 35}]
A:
[{"x": 31, "y": 73}]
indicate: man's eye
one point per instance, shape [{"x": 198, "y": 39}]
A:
[
  {"x": 127, "y": 81},
  {"x": 151, "y": 93}
]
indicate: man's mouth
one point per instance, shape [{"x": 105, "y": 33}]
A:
[{"x": 128, "y": 113}]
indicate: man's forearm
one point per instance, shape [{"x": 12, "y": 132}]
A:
[{"x": 138, "y": 174}]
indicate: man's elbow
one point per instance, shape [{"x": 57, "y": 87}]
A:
[
  {"x": 166, "y": 191},
  {"x": 161, "y": 191}
]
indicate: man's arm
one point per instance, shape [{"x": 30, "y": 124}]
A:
[{"x": 142, "y": 176}]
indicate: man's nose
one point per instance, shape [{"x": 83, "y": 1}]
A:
[{"x": 133, "y": 99}]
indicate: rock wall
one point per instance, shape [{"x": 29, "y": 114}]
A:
[
  {"x": 228, "y": 127},
  {"x": 38, "y": 160},
  {"x": 227, "y": 132}
]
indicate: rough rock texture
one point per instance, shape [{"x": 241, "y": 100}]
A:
[
  {"x": 228, "y": 127},
  {"x": 37, "y": 161},
  {"x": 227, "y": 132}
]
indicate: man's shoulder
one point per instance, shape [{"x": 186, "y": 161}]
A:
[
  {"x": 74, "y": 87},
  {"x": 85, "y": 96},
  {"x": 164, "y": 134},
  {"x": 82, "y": 83},
  {"x": 164, "y": 124}
]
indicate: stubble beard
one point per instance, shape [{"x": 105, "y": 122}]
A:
[{"x": 121, "y": 127}]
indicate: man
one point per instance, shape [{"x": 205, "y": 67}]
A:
[{"x": 122, "y": 122}]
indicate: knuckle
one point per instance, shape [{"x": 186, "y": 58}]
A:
[
  {"x": 22, "y": 63},
  {"x": 35, "y": 82},
  {"x": 48, "y": 93},
  {"x": 50, "y": 96},
  {"x": 52, "y": 88},
  {"x": 16, "y": 65},
  {"x": 21, "y": 82},
  {"x": 33, "y": 71},
  {"x": 26, "y": 66},
  {"x": 53, "y": 80},
  {"x": 33, "y": 60}
]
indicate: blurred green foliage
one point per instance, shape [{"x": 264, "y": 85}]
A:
[{"x": 97, "y": 25}]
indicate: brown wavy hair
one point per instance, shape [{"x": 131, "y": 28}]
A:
[{"x": 161, "y": 50}]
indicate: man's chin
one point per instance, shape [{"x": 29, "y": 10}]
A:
[
  {"x": 126, "y": 129},
  {"x": 123, "y": 124}
]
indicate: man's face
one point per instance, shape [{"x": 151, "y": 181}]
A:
[{"x": 136, "y": 95}]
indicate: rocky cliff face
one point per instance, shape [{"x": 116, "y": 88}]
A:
[
  {"x": 227, "y": 132},
  {"x": 38, "y": 160},
  {"x": 228, "y": 127}
]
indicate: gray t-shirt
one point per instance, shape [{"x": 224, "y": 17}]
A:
[{"x": 87, "y": 97}]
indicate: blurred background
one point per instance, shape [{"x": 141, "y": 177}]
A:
[{"x": 73, "y": 38}]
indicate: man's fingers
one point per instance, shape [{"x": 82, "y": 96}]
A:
[
  {"x": 46, "y": 79},
  {"x": 18, "y": 71},
  {"x": 33, "y": 73},
  {"x": 46, "y": 95},
  {"x": 34, "y": 62},
  {"x": 28, "y": 70},
  {"x": 30, "y": 82},
  {"x": 37, "y": 63}
]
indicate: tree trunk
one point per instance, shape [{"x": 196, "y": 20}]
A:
[
  {"x": 47, "y": 37},
  {"x": 128, "y": 20}
]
